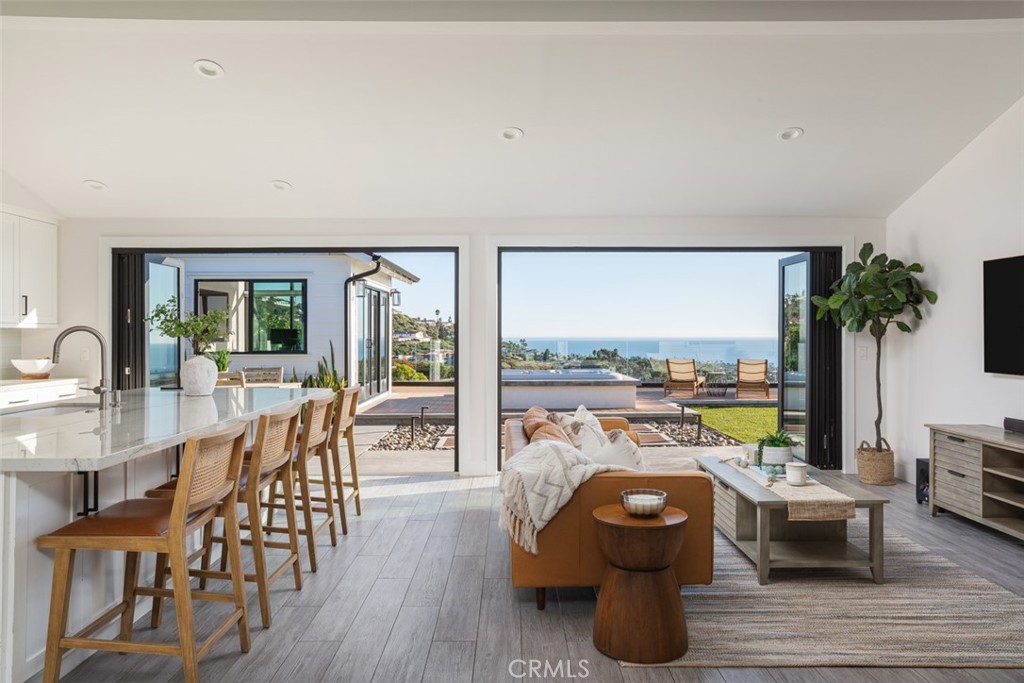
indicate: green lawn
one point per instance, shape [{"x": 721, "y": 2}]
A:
[{"x": 746, "y": 424}]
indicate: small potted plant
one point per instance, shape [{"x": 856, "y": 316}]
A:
[
  {"x": 198, "y": 373},
  {"x": 775, "y": 449},
  {"x": 222, "y": 358}
]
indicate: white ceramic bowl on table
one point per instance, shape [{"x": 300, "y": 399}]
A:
[{"x": 33, "y": 368}]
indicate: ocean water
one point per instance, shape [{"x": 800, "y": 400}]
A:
[{"x": 706, "y": 350}]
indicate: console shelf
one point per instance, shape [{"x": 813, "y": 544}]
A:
[{"x": 977, "y": 471}]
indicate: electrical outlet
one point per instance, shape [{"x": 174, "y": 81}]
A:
[
  {"x": 862, "y": 353},
  {"x": 83, "y": 354}
]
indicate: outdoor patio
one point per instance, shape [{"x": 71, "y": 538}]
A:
[{"x": 408, "y": 399}]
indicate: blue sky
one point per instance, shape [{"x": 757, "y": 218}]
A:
[{"x": 614, "y": 294}]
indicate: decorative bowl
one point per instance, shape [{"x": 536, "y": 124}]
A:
[
  {"x": 33, "y": 368},
  {"x": 644, "y": 502}
]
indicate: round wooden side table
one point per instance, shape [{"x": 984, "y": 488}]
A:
[{"x": 639, "y": 614}]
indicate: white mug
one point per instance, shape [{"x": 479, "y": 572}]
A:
[{"x": 796, "y": 473}]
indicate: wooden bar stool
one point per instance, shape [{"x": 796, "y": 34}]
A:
[
  {"x": 316, "y": 424},
  {"x": 210, "y": 470},
  {"x": 269, "y": 460},
  {"x": 343, "y": 425}
]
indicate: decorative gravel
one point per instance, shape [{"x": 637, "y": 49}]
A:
[
  {"x": 687, "y": 434},
  {"x": 400, "y": 438}
]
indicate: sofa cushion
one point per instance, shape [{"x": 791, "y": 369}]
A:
[
  {"x": 620, "y": 450},
  {"x": 550, "y": 432},
  {"x": 533, "y": 419}
]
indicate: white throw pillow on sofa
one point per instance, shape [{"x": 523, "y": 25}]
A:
[
  {"x": 583, "y": 429},
  {"x": 620, "y": 450}
]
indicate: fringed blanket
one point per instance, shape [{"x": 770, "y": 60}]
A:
[{"x": 537, "y": 482}]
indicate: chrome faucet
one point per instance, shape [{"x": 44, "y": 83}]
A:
[{"x": 103, "y": 389}]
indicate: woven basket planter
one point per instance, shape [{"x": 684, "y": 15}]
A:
[{"x": 876, "y": 467}]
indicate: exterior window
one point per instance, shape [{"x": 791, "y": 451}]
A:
[{"x": 264, "y": 316}]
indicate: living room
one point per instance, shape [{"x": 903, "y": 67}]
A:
[{"x": 526, "y": 125}]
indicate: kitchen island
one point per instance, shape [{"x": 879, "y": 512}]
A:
[{"x": 58, "y": 461}]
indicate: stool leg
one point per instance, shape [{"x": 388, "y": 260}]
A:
[
  {"x": 131, "y": 580},
  {"x": 252, "y": 504},
  {"x": 307, "y": 514},
  {"x": 325, "y": 467},
  {"x": 60, "y": 595},
  {"x": 183, "y": 610},
  {"x": 350, "y": 439},
  {"x": 233, "y": 546},
  {"x": 339, "y": 488},
  {"x": 159, "y": 581},
  {"x": 204, "y": 562},
  {"x": 293, "y": 524}
]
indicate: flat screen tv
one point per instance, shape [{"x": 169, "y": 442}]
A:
[{"x": 1004, "y": 316}]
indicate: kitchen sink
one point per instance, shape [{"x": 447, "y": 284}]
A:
[{"x": 54, "y": 410}]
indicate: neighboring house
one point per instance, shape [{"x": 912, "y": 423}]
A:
[
  {"x": 411, "y": 336},
  {"x": 286, "y": 310}
]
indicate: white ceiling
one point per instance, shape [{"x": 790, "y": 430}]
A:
[{"x": 399, "y": 120}]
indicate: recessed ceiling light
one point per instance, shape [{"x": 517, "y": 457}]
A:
[
  {"x": 792, "y": 133},
  {"x": 208, "y": 68},
  {"x": 94, "y": 185},
  {"x": 513, "y": 133},
  {"x": 282, "y": 185}
]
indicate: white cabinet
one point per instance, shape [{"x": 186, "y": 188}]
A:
[{"x": 28, "y": 272}]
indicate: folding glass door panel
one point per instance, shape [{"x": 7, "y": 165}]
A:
[
  {"x": 165, "y": 278},
  {"x": 794, "y": 350},
  {"x": 373, "y": 345},
  {"x": 810, "y": 359}
]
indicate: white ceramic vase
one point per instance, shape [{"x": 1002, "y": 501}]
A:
[
  {"x": 776, "y": 456},
  {"x": 198, "y": 376}
]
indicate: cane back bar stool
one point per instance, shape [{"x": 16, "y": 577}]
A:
[
  {"x": 210, "y": 470},
  {"x": 343, "y": 426},
  {"x": 269, "y": 460},
  {"x": 316, "y": 424}
]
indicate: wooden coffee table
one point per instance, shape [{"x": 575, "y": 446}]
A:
[
  {"x": 639, "y": 614},
  {"x": 757, "y": 521}
]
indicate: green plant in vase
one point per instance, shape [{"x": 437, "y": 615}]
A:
[
  {"x": 199, "y": 373},
  {"x": 780, "y": 448}
]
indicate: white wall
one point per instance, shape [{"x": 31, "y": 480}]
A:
[
  {"x": 13, "y": 193},
  {"x": 970, "y": 211},
  {"x": 85, "y": 246}
]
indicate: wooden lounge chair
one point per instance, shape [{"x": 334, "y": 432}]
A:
[
  {"x": 231, "y": 379},
  {"x": 752, "y": 376},
  {"x": 682, "y": 376}
]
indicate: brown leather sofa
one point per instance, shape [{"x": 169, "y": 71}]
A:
[{"x": 568, "y": 551}]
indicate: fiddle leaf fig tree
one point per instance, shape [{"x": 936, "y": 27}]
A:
[{"x": 874, "y": 293}]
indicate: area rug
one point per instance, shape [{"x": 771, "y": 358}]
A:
[{"x": 929, "y": 613}]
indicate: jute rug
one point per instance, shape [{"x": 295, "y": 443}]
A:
[{"x": 929, "y": 613}]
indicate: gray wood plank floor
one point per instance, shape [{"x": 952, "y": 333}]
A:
[{"x": 420, "y": 591}]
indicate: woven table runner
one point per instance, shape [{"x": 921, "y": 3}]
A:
[{"x": 812, "y": 502}]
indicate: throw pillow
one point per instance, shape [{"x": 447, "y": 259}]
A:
[
  {"x": 550, "y": 432},
  {"x": 620, "y": 450},
  {"x": 585, "y": 432},
  {"x": 533, "y": 419}
]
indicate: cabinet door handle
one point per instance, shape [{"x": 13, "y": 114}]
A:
[
  {"x": 956, "y": 474},
  {"x": 24, "y": 304},
  {"x": 13, "y": 403},
  {"x": 66, "y": 395},
  {"x": 955, "y": 438}
]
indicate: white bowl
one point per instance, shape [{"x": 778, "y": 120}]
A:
[{"x": 33, "y": 366}]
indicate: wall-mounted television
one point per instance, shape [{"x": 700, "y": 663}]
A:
[{"x": 1004, "y": 316}]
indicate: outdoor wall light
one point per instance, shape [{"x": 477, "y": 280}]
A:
[
  {"x": 360, "y": 289},
  {"x": 396, "y": 297}
]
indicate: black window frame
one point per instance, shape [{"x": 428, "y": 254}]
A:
[{"x": 249, "y": 282}]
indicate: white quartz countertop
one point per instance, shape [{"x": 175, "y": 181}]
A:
[
  {"x": 72, "y": 438},
  {"x": 32, "y": 383}
]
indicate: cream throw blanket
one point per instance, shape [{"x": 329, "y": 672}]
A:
[{"x": 537, "y": 482}]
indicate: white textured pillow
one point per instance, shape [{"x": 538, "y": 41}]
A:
[
  {"x": 584, "y": 430},
  {"x": 620, "y": 450}
]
